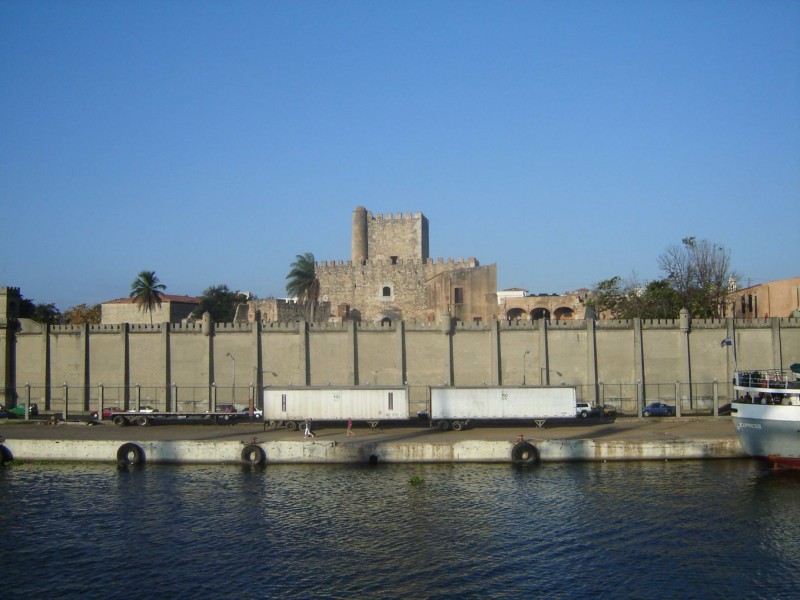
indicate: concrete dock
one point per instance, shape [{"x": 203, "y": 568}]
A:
[{"x": 622, "y": 439}]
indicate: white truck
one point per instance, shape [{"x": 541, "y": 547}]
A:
[
  {"x": 455, "y": 407},
  {"x": 292, "y": 406}
]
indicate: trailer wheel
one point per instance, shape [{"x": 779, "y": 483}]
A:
[
  {"x": 444, "y": 425},
  {"x": 457, "y": 426},
  {"x": 119, "y": 421},
  {"x": 291, "y": 425},
  {"x": 130, "y": 454},
  {"x": 524, "y": 453},
  {"x": 142, "y": 421},
  {"x": 254, "y": 454}
]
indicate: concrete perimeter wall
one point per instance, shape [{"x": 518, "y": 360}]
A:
[{"x": 193, "y": 367}]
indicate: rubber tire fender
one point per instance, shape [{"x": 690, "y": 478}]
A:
[
  {"x": 130, "y": 454},
  {"x": 524, "y": 453},
  {"x": 253, "y": 454},
  {"x": 5, "y": 455}
]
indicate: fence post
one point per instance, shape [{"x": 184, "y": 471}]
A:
[
  {"x": 175, "y": 397},
  {"x": 138, "y": 397},
  {"x": 677, "y": 398},
  {"x": 213, "y": 405},
  {"x": 101, "y": 400},
  {"x": 640, "y": 399},
  {"x": 715, "y": 387},
  {"x": 27, "y": 401},
  {"x": 66, "y": 400}
]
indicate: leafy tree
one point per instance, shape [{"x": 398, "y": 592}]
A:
[
  {"x": 146, "y": 291},
  {"x": 41, "y": 313},
  {"x": 699, "y": 272},
  {"x": 220, "y": 302},
  {"x": 303, "y": 284},
  {"x": 697, "y": 278},
  {"x": 607, "y": 297},
  {"x": 83, "y": 313}
]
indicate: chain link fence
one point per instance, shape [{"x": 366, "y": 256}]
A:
[{"x": 625, "y": 399}]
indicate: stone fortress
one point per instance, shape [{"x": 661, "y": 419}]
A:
[{"x": 391, "y": 277}]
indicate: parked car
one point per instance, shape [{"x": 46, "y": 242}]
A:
[
  {"x": 225, "y": 408},
  {"x": 584, "y": 409},
  {"x": 19, "y": 410},
  {"x": 257, "y": 412},
  {"x": 658, "y": 409},
  {"x": 110, "y": 410},
  {"x": 146, "y": 409}
]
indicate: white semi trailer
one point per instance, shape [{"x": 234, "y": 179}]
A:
[
  {"x": 455, "y": 407},
  {"x": 291, "y": 407}
]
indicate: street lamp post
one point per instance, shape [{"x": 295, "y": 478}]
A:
[
  {"x": 233, "y": 360},
  {"x": 525, "y": 366}
]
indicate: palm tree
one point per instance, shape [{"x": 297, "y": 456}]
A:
[
  {"x": 303, "y": 283},
  {"x": 146, "y": 292}
]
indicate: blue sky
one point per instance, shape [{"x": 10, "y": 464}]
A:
[{"x": 567, "y": 142}]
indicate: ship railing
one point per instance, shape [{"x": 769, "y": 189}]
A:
[{"x": 766, "y": 378}]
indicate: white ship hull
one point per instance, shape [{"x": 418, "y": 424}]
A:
[{"x": 769, "y": 432}]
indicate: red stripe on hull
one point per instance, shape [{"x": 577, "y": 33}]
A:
[{"x": 781, "y": 462}]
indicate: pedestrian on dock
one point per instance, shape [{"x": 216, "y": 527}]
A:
[
  {"x": 307, "y": 431},
  {"x": 350, "y": 428},
  {"x": 520, "y": 439}
]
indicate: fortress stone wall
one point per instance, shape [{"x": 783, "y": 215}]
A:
[{"x": 193, "y": 366}]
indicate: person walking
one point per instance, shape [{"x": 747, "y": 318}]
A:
[
  {"x": 307, "y": 431},
  {"x": 350, "y": 428}
]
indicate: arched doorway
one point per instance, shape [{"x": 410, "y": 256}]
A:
[
  {"x": 516, "y": 314},
  {"x": 564, "y": 314},
  {"x": 540, "y": 313}
]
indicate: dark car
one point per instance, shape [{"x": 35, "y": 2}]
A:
[
  {"x": 658, "y": 409},
  {"x": 257, "y": 412}
]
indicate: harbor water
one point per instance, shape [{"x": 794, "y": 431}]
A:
[{"x": 694, "y": 529}]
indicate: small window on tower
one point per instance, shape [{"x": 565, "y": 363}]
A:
[
  {"x": 387, "y": 291},
  {"x": 458, "y": 295},
  {"x": 394, "y": 260}
]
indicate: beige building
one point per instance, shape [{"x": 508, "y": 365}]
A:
[
  {"x": 173, "y": 309},
  {"x": 391, "y": 277},
  {"x": 517, "y": 305},
  {"x": 772, "y": 299}
]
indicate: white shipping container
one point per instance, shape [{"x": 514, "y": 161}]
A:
[
  {"x": 335, "y": 404},
  {"x": 503, "y": 403}
]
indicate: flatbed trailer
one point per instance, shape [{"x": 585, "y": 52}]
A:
[
  {"x": 456, "y": 407},
  {"x": 142, "y": 419},
  {"x": 291, "y": 407}
]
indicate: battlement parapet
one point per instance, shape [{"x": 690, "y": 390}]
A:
[
  {"x": 327, "y": 327},
  {"x": 186, "y": 326},
  {"x": 66, "y": 328},
  {"x": 105, "y": 328},
  {"x": 344, "y": 266},
  {"x": 225, "y": 327},
  {"x": 144, "y": 327},
  {"x": 281, "y": 326},
  {"x": 379, "y": 326},
  {"x": 395, "y": 216},
  {"x": 659, "y": 323}
]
